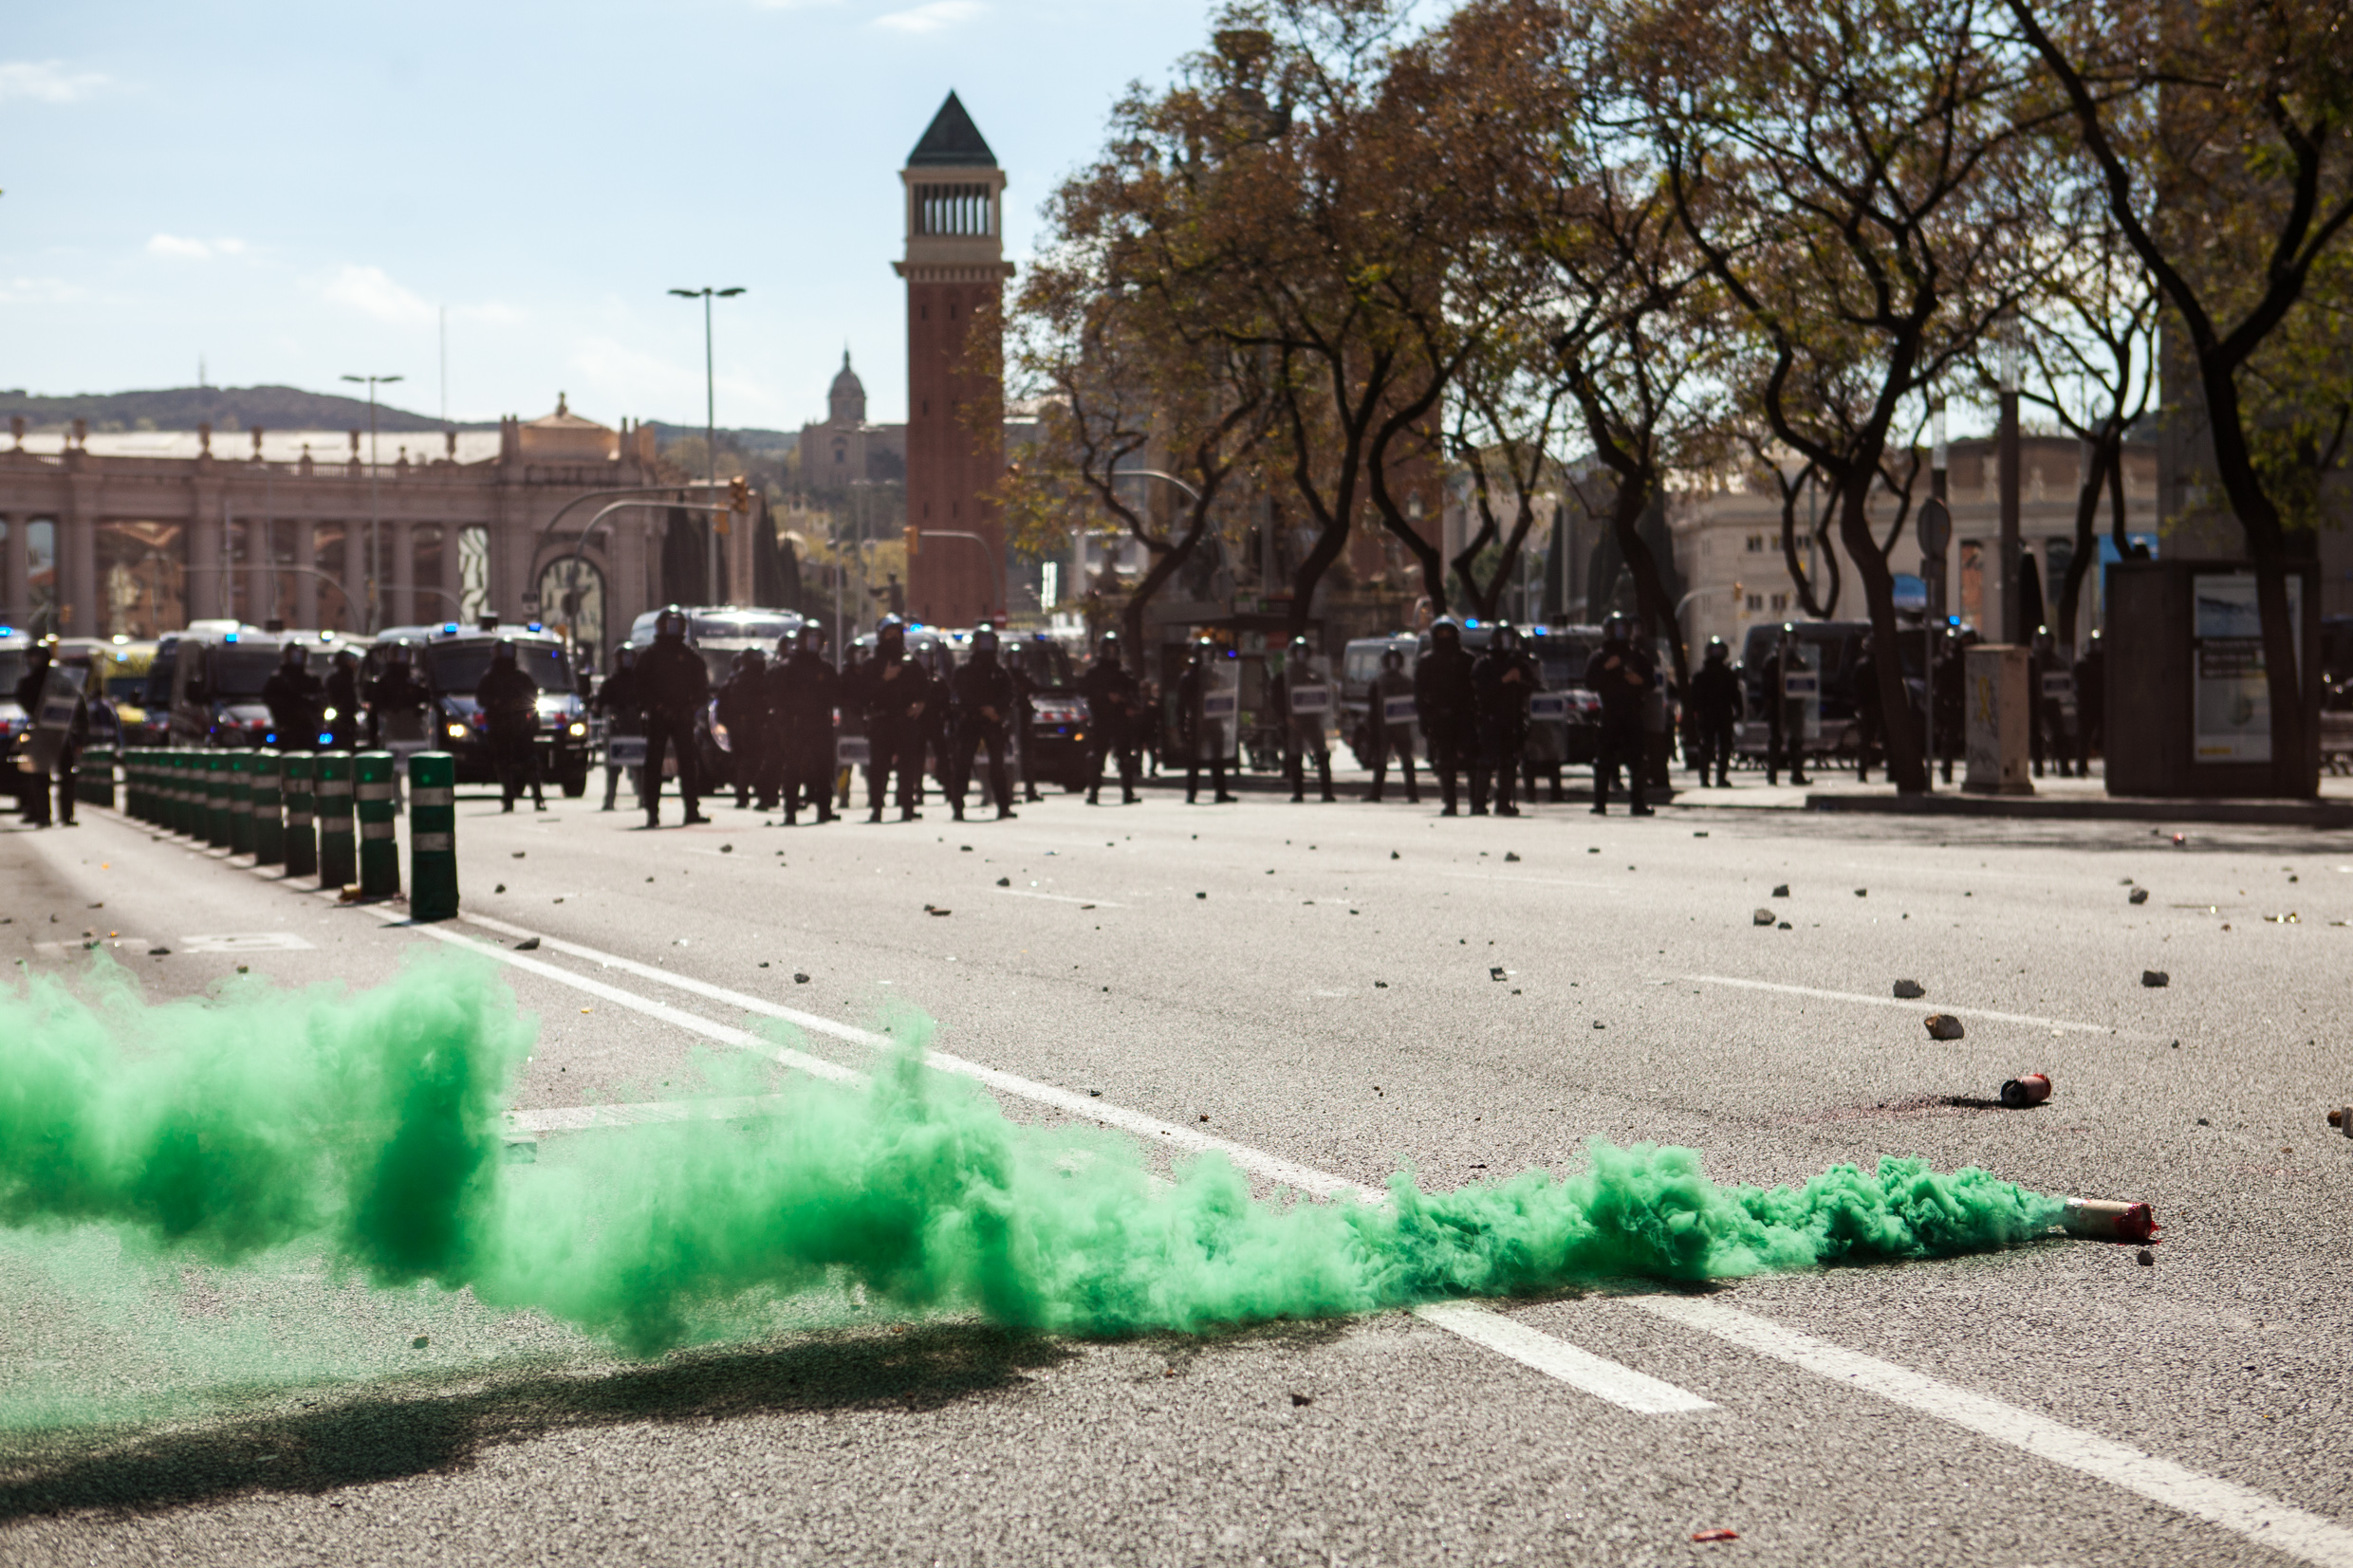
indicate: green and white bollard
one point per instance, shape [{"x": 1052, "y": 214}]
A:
[
  {"x": 241, "y": 803},
  {"x": 172, "y": 781},
  {"x": 93, "y": 777},
  {"x": 379, "y": 852},
  {"x": 134, "y": 783},
  {"x": 296, "y": 770},
  {"x": 216, "y": 829},
  {"x": 339, "y": 864},
  {"x": 184, "y": 794},
  {"x": 269, "y": 810},
  {"x": 433, "y": 836}
]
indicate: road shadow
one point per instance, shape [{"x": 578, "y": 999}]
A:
[{"x": 381, "y": 1434}]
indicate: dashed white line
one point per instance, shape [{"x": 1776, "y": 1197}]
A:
[
  {"x": 1915, "y": 1006},
  {"x": 1063, "y": 898},
  {"x": 1635, "y": 1391},
  {"x": 2239, "y": 1509}
]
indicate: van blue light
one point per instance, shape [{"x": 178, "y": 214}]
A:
[
  {"x": 531, "y": 626},
  {"x": 230, "y": 638},
  {"x": 450, "y": 627}
]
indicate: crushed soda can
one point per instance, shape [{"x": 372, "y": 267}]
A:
[
  {"x": 2025, "y": 1090},
  {"x": 2105, "y": 1220}
]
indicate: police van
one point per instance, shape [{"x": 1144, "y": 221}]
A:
[
  {"x": 208, "y": 681},
  {"x": 450, "y": 660}
]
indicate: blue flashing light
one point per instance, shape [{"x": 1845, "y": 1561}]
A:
[
  {"x": 6, "y": 631},
  {"x": 1473, "y": 622},
  {"x": 532, "y": 626},
  {"x": 231, "y": 638},
  {"x": 325, "y": 736},
  {"x": 450, "y": 627},
  {"x": 271, "y": 737}
]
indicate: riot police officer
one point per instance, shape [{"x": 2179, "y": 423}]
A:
[
  {"x": 674, "y": 684},
  {"x": 396, "y": 699},
  {"x": 985, "y": 706},
  {"x": 744, "y": 710},
  {"x": 1502, "y": 679},
  {"x": 1785, "y": 717},
  {"x": 1112, "y": 703},
  {"x": 508, "y": 698},
  {"x": 1201, "y": 735},
  {"x": 1392, "y": 736},
  {"x": 341, "y": 717},
  {"x": 620, "y": 698},
  {"x": 294, "y": 696},
  {"x": 1446, "y": 703},
  {"x": 1031, "y": 667},
  {"x": 1716, "y": 713},
  {"x": 33, "y": 788},
  {"x": 1623, "y": 676},
  {"x": 897, "y": 697},
  {"x": 803, "y": 689},
  {"x": 1304, "y": 697}
]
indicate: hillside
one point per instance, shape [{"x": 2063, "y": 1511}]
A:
[{"x": 224, "y": 408}]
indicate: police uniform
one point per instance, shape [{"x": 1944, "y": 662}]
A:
[
  {"x": 1201, "y": 737},
  {"x": 1447, "y": 705},
  {"x": 985, "y": 700},
  {"x": 622, "y": 700},
  {"x": 1392, "y": 736},
  {"x": 1502, "y": 680},
  {"x": 1715, "y": 714},
  {"x": 1622, "y": 676},
  {"x": 1113, "y": 700},
  {"x": 1304, "y": 729},
  {"x": 675, "y": 684},
  {"x": 508, "y": 698},
  {"x": 744, "y": 710},
  {"x": 896, "y": 695},
  {"x": 802, "y": 690}
]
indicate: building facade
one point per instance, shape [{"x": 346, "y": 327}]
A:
[
  {"x": 954, "y": 269},
  {"x": 136, "y": 535},
  {"x": 846, "y": 449}
]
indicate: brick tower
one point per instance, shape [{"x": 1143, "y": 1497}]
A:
[{"x": 955, "y": 273}]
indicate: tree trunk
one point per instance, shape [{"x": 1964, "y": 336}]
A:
[
  {"x": 1905, "y": 764},
  {"x": 2086, "y": 530}
]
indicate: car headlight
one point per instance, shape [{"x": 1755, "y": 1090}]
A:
[
  {"x": 577, "y": 728},
  {"x": 457, "y": 732}
]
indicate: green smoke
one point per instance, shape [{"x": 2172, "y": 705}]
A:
[{"x": 365, "y": 1125}]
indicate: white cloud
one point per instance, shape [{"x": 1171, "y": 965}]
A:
[
  {"x": 931, "y": 17},
  {"x": 187, "y": 249},
  {"x": 39, "y": 291},
  {"x": 46, "y": 82},
  {"x": 371, "y": 291}
]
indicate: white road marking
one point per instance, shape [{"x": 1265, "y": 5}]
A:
[
  {"x": 575, "y": 1118},
  {"x": 1539, "y": 881},
  {"x": 2239, "y": 1509},
  {"x": 253, "y": 941},
  {"x": 1637, "y": 1392},
  {"x": 1913, "y": 1006},
  {"x": 1062, "y": 899}
]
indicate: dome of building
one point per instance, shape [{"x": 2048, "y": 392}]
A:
[{"x": 847, "y": 400}]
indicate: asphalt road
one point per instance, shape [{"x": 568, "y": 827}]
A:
[{"x": 1312, "y": 988}]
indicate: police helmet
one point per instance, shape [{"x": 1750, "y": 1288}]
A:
[
  {"x": 1302, "y": 648},
  {"x": 624, "y": 657},
  {"x": 505, "y": 652},
  {"x": 747, "y": 658},
  {"x": 985, "y": 642},
  {"x": 1506, "y": 636},
  {"x": 294, "y": 656},
  {"x": 890, "y": 637},
  {"x": 812, "y": 634},
  {"x": 1718, "y": 651},
  {"x": 1446, "y": 626},
  {"x": 671, "y": 623},
  {"x": 399, "y": 652},
  {"x": 1108, "y": 646},
  {"x": 1617, "y": 629},
  {"x": 1393, "y": 659}
]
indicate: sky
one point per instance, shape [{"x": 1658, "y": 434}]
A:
[{"x": 297, "y": 193}]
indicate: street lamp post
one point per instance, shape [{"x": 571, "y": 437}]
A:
[
  {"x": 374, "y": 564},
  {"x": 710, "y": 423}
]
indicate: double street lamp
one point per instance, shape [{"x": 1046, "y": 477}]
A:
[
  {"x": 711, "y": 422},
  {"x": 374, "y": 563}
]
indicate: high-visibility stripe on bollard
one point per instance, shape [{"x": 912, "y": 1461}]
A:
[
  {"x": 93, "y": 777},
  {"x": 269, "y": 810},
  {"x": 296, "y": 770},
  {"x": 192, "y": 816},
  {"x": 241, "y": 803},
  {"x": 174, "y": 778},
  {"x": 379, "y": 852},
  {"x": 134, "y": 782},
  {"x": 179, "y": 818},
  {"x": 338, "y": 860},
  {"x": 216, "y": 829},
  {"x": 433, "y": 836}
]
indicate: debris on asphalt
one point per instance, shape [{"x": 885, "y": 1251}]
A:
[
  {"x": 1862, "y": 893},
  {"x": 1910, "y": 990},
  {"x": 1782, "y": 890},
  {"x": 764, "y": 963},
  {"x": 799, "y": 979},
  {"x": 2030, "y": 1089},
  {"x": 1094, "y": 1094},
  {"x": 501, "y": 888},
  {"x": 529, "y": 944},
  {"x": 518, "y": 855},
  {"x": 1716, "y": 1535},
  {"x": 1599, "y": 1024},
  {"x": 1299, "y": 1399},
  {"x": 1200, "y": 895},
  {"x": 2336, "y": 1118},
  {"x": 933, "y": 909},
  {"x": 2144, "y": 1257},
  {"x": 727, "y": 849},
  {"x": 1700, "y": 833},
  {"x": 2137, "y": 895},
  {"x": 419, "y": 1342},
  {"x": 1393, "y": 855},
  {"x": 1004, "y": 881},
  {"x": 964, "y": 849},
  {"x": 1944, "y": 1026},
  {"x": 1510, "y": 854},
  {"x": 1762, "y": 917},
  {"x": 1383, "y": 985},
  {"x": 350, "y": 893},
  {"x": 1784, "y": 924},
  {"x": 2180, "y": 839},
  {"x": 2106, "y": 1219},
  {"x": 158, "y": 952},
  {"x": 1496, "y": 972},
  {"x": 1205, "y": 1113},
  {"x": 2154, "y": 979},
  {"x": 241, "y": 968}
]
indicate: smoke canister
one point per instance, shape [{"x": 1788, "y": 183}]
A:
[
  {"x": 2101, "y": 1220},
  {"x": 2028, "y": 1089}
]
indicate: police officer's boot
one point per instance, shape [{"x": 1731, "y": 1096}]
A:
[{"x": 1324, "y": 771}]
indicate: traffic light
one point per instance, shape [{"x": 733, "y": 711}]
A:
[
  {"x": 912, "y": 537},
  {"x": 739, "y": 494}
]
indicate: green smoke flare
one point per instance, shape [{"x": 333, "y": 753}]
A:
[{"x": 365, "y": 1124}]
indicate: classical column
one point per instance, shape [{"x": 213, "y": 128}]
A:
[
  {"x": 356, "y": 569},
  {"x": 452, "y": 580},
  {"x": 305, "y": 584},
  {"x": 400, "y": 604},
  {"x": 16, "y": 606}
]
